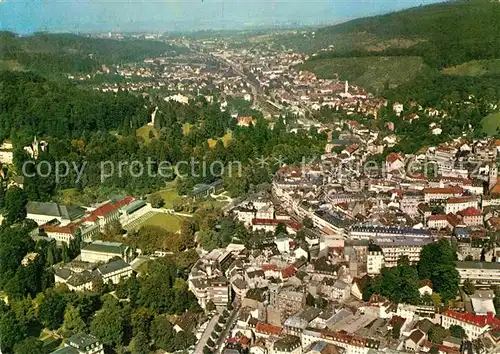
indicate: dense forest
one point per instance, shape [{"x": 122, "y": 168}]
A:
[
  {"x": 56, "y": 54},
  {"x": 32, "y": 105},
  {"x": 444, "y": 34}
]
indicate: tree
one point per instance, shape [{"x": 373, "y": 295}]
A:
[
  {"x": 469, "y": 287},
  {"x": 310, "y": 301},
  {"x": 280, "y": 229},
  {"x": 457, "y": 331},
  {"x": 307, "y": 222},
  {"x": 437, "y": 263},
  {"x": 73, "y": 322},
  {"x": 437, "y": 334},
  {"x": 30, "y": 345},
  {"x": 210, "y": 306},
  {"x": 157, "y": 201},
  {"x": 163, "y": 333},
  {"x": 207, "y": 350},
  {"x": 217, "y": 328},
  {"x": 210, "y": 343},
  {"x": 434, "y": 350},
  {"x": 15, "y": 205},
  {"x": 11, "y": 331},
  {"x": 141, "y": 320},
  {"x": 51, "y": 309},
  {"x": 108, "y": 323},
  {"x": 140, "y": 344}
]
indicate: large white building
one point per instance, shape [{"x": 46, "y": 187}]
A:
[
  {"x": 44, "y": 212},
  {"x": 101, "y": 251},
  {"x": 479, "y": 272},
  {"x": 207, "y": 281},
  {"x": 473, "y": 325}
]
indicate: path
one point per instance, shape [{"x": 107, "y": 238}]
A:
[{"x": 206, "y": 335}]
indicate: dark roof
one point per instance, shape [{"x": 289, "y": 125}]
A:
[
  {"x": 186, "y": 321},
  {"x": 82, "y": 341},
  {"x": 106, "y": 247},
  {"x": 68, "y": 212},
  {"x": 77, "y": 279},
  {"x": 113, "y": 266},
  {"x": 416, "y": 336},
  {"x": 425, "y": 325}
]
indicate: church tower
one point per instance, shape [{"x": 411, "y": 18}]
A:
[{"x": 493, "y": 176}]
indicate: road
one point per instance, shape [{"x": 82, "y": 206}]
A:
[
  {"x": 227, "y": 329},
  {"x": 259, "y": 99},
  {"x": 206, "y": 335}
]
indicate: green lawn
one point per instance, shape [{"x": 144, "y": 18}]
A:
[
  {"x": 491, "y": 123},
  {"x": 169, "y": 195},
  {"x": 169, "y": 222},
  {"x": 369, "y": 72},
  {"x": 144, "y": 132},
  {"x": 475, "y": 68}
]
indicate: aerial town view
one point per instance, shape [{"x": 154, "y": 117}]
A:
[{"x": 249, "y": 177}]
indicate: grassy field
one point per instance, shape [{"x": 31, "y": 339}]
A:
[
  {"x": 169, "y": 222},
  {"x": 186, "y": 128},
  {"x": 475, "y": 68},
  {"x": 369, "y": 72},
  {"x": 144, "y": 132},
  {"x": 10, "y": 65},
  {"x": 169, "y": 195},
  {"x": 225, "y": 139},
  {"x": 491, "y": 123}
]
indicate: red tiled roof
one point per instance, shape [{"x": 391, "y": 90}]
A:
[
  {"x": 392, "y": 157},
  {"x": 68, "y": 229},
  {"x": 446, "y": 349},
  {"x": 459, "y": 200},
  {"x": 425, "y": 282},
  {"x": 104, "y": 210},
  {"x": 288, "y": 272},
  {"x": 125, "y": 201},
  {"x": 437, "y": 217},
  {"x": 477, "y": 320},
  {"x": 269, "y": 267},
  {"x": 268, "y": 329},
  {"x": 470, "y": 211},
  {"x": 447, "y": 190}
]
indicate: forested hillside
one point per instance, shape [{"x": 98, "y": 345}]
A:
[
  {"x": 32, "y": 105},
  {"x": 70, "y": 53},
  {"x": 443, "y": 34}
]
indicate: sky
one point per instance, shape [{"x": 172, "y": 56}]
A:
[{"x": 27, "y": 16}]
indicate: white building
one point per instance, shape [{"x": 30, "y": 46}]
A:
[
  {"x": 479, "y": 272},
  {"x": 375, "y": 262},
  {"x": 473, "y": 325},
  {"x": 101, "y": 251}
]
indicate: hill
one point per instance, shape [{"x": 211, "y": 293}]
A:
[
  {"x": 444, "y": 34},
  {"x": 70, "y": 53},
  {"x": 457, "y": 38},
  {"x": 373, "y": 73}
]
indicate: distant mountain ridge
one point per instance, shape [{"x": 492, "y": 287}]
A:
[{"x": 444, "y": 34}]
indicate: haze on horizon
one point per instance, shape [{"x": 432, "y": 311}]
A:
[{"x": 27, "y": 16}]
